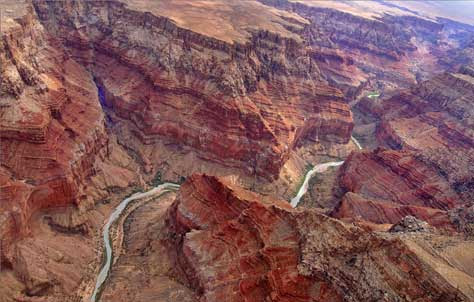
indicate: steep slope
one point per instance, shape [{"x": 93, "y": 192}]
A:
[
  {"x": 430, "y": 127},
  {"x": 47, "y": 151},
  {"x": 98, "y": 96},
  {"x": 88, "y": 73},
  {"x": 232, "y": 244},
  {"x": 54, "y": 152},
  {"x": 362, "y": 46},
  {"x": 241, "y": 105}
]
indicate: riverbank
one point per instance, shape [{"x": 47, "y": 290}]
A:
[
  {"x": 109, "y": 243},
  {"x": 320, "y": 168}
]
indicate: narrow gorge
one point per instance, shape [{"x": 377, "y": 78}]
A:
[{"x": 309, "y": 151}]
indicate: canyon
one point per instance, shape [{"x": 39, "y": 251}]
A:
[
  {"x": 252, "y": 108},
  {"x": 425, "y": 137}
]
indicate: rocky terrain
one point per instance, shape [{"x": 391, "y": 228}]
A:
[
  {"x": 382, "y": 53},
  {"x": 228, "y": 102},
  {"x": 429, "y": 129},
  {"x": 54, "y": 144},
  {"x": 233, "y": 244},
  {"x": 101, "y": 99}
]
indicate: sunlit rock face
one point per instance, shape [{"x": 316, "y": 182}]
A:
[
  {"x": 242, "y": 105},
  {"x": 102, "y": 98},
  {"x": 232, "y": 244},
  {"x": 366, "y": 46},
  {"x": 430, "y": 126},
  {"x": 55, "y": 151},
  {"x": 52, "y": 127}
]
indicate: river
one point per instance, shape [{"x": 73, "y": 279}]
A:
[
  {"x": 320, "y": 168},
  {"x": 167, "y": 187},
  {"x": 104, "y": 272}
]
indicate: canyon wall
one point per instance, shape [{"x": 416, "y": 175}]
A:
[
  {"x": 241, "y": 105},
  {"x": 55, "y": 151},
  {"x": 96, "y": 95},
  {"x": 52, "y": 126},
  {"x": 429, "y": 172},
  {"x": 236, "y": 245},
  {"x": 382, "y": 53}
]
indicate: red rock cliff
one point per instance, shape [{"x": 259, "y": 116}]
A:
[
  {"x": 431, "y": 128},
  {"x": 241, "y": 105},
  {"x": 233, "y": 244},
  {"x": 51, "y": 129}
]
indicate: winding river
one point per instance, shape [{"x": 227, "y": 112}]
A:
[
  {"x": 167, "y": 187},
  {"x": 317, "y": 169},
  {"x": 104, "y": 272},
  {"x": 320, "y": 168}
]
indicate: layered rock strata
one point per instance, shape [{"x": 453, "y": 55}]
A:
[
  {"x": 382, "y": 53},
  {"x": 430, "y": 127},
  {"x": 55, "y": 152},
  {"x": 232, "y": 244},
  {"x": 52, "y": 127},
  {"x": 241, "y": 105}
]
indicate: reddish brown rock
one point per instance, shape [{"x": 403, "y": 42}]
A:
[
  {"x": 241, "y": 105},
  {"x": 233, "y": 244},
  {"x": 397, "y": 176},
  {"x": 52, "y": 126},
  {"x": 53, "y": 152},
  {"x": 230, "y": 246},
  {"x": 364, "y": 50},
  {"x": 356, "y": 208},
  {"x": 431, "y": 128},
  {"x": 383, "y": 186}
]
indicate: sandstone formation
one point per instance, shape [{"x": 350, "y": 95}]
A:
[
  {"x": 241, "y": 105},
  {"x": 102, "y": 98},
  {"x": 54, "y": 143},
  {"x": 142, "y": 271},
  {"x": 384, "y": 52},
  {"x": 52, "y": 127},
  {"x": 235, "y": 245},
  {"x": 430, "y": 126}
]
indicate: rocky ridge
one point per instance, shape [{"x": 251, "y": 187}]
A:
[
  {"x": 55, "y": 151},
  {"x": 96, "y": 95},
  {"x": 228, "y": 242},
  {"x": 227, "y": 102},
  {"x": 383, "y": 53},
  {"x": 429, "y": 127}
]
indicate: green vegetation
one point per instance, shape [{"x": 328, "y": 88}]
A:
[
  {"x": 373, "y": 95},
  {"x": 181, "y": 180},
  {"x": 157, "y": 179}
]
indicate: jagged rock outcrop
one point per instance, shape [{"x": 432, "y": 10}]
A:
[
  {"x": 397, "y": 176},
  {"x": 385, "y": 52},
  {"x": 233, "y": 244},
  {"x": 241, "y": 105},
  {"x": 355, "y": 207},
  {"x": 54, "y": 146},
  {"x": 385, "y": 185},
  {"x": 75, "y": 75},
  {"x": 430, "y": 127},
  {"x": 410, "y": 224},
  {"x": 52, "y": 127}
]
